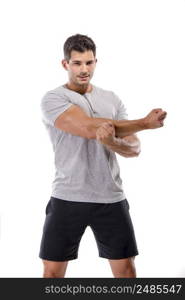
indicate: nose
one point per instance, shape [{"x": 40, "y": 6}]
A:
[{"x": 84, "y": 69}]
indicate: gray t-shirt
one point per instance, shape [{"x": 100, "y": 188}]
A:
[{"x": 85, "y": 170}]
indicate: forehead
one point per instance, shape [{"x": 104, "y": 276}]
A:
[{"x": 82, "y": 56}]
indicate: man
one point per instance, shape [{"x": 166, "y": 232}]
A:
[{"x": 87, "y": 125}]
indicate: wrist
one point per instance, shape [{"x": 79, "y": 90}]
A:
[{"x": 143, "y": 123}]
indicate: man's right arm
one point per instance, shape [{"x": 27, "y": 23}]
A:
[{"x": 75, "y": 121}]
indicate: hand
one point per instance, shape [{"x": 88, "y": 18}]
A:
[
  {"x": 106, "y": 133},
  {"x": 155, "y": 118}
]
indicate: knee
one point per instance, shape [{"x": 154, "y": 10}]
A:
[
  {"x": 54, "y": 269},
  {"x": 52, "y": 274},
  {"x": 128, "y": 271}
]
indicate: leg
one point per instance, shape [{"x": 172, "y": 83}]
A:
[
  {"x": 114, "y": 234},
  {"x": 63, "y": 228},
  {"x": 54, "y": 269},
  {"x": 123, "y": 267}
]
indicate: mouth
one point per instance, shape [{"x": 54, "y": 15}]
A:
[{"x": 83, "y": 77}]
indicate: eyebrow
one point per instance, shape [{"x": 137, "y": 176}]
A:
[{"x": 81, "y": 61}]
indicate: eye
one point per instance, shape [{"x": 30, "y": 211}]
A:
[{"x": 89, "y": 62}]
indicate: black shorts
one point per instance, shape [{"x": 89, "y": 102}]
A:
[{"x": 66, "y": 222}]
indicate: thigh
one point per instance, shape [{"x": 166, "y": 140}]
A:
[
  {"x": 64, "y": 226},
  {"x": 114, "y": 232},
  {"x": 122, "y": 267},
  {"x": 118, "y": 265},
  {"x": 54, "y": 269}
]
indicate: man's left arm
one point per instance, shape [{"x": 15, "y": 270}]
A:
[{"x": 128, "y": 146}]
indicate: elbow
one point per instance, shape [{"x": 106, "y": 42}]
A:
[
  {"x": 137, "y": 153},
  {"x": 137, "y": 150},
  {"x": 133, "y": 154}
]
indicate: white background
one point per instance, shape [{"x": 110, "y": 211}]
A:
[{"x": 140, "y": 52}]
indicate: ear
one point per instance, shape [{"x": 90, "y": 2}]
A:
[
  {"x": 64, "y": 63},
  {"x": 96, "y": 60}
]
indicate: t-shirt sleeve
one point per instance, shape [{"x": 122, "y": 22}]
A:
[
  {"x": 121, "y": 113},
  {"x": 52, "y": 105}
]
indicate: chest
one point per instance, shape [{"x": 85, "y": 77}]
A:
[{"x": 96, "y": 107}]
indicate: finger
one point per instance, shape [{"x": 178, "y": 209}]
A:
[
  {"x": 99, "y": 137},
  {"x": 109, "y": 128},
  {"x": 107, "y": 125},
  {"x": 104, "y": 131},
  {"x": 100, "y": 130},
  {"x": 106, "y": 128},
  {"x": 156, "y": 110},
  {"x": 98, "y": 134},
  {"x": 163, "y": 115},
  {"x": 101, "y": 134}
]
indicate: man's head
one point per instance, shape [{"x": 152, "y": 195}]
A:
[{"x": 79, "y": 59}]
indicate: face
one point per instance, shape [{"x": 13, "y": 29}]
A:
[{"x": 80, "y": 67}]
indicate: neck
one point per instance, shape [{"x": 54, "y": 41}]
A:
[{"x": 79, "y": 89}]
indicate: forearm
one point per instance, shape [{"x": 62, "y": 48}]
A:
[
  {"x": 131, "y": 140},
  {"x": 127, "y": 147},
  {"x": 117, "y": 135},
  {"x": 76, "y": 122},
  {"x": 123, "y": 128}
]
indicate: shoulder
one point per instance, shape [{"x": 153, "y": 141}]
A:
[
  {"x": 60, "y": 90},
  {"x": 112, "y": 96},
  {"x": 54, "y": 94}
]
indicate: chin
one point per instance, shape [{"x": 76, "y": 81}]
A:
[{"x": 83, "y": 83}]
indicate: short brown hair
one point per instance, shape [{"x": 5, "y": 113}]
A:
[{"x": 78, "y": 42}]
